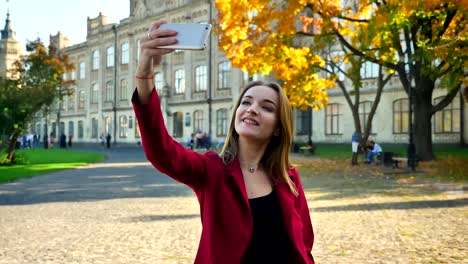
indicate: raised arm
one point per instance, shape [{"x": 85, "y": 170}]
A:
[{"x": 167, "y": 155}]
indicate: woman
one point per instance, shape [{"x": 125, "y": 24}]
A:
[{"x": 252, "y": 205}]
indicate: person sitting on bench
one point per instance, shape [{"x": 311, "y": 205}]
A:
[{"x": 373, "y": 149}]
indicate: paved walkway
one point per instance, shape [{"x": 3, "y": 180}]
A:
[{"x": 124, "y": 211}]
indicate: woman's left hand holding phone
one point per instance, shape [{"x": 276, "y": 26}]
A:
[{"x": 151, "y": 56}]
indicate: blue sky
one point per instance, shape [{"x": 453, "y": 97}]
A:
[{"x": 40, "y": 18}]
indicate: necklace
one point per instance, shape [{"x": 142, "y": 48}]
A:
[{"x": 251, "y": 167}]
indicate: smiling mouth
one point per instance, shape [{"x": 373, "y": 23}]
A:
[{"x": 250, "y": 122}]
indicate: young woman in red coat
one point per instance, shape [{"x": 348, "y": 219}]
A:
[{"x": 252, "y": 204}]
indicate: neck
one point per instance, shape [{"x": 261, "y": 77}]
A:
[{"x": 250, "y": 152}]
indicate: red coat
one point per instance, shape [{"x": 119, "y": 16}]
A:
[{"x": 227, "y": 222}]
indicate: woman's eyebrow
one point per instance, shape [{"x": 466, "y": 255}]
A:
[{"x": 264, "y": 100}]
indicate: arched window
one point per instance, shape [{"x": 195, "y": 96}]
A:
[
  {"x": 96, "y": 59},
  {"x": 158, "y": 81},
  {"x": 221, "y": 122},
  {"x": 179, "y": 82},
  {"x": 198, "y": 120},
  {"x": 109, "y": 91},
  {"x": 123, "y": 124},
  {"x": 125, "y": 53},
  {"x": 224, "y": 75},
  {"x": 110, "y": 56},
  {"x": 178, "y": 124},
  {"x": 82, "y": 70},
  {"x": 94, "y": 93},
  {"x": 201, "y": 78}
]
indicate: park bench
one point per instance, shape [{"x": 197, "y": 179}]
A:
[{"x": 391, "y": 159}]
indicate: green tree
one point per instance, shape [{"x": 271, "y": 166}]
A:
[
  {"x": 38, "y": 77},
  {"x": 423, "y": 42}
]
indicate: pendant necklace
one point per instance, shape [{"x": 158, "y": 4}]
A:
[{"x": 251, "y": 167}]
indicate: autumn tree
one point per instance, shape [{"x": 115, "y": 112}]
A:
[
  {"x": 38, "y": 76},
  {"x": 423, "y": 42}
]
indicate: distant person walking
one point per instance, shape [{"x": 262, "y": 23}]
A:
[
  {"x": 108, "y": 140},
  {"x": 355, "y": 148}
]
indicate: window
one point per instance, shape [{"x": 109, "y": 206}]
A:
[
  {"x": 130, "y": 122},
  {"x": 369, "y": 70},
  {"x": 125, "y": 55},
  {"x": 123, "y": 124},
  {"x": 364, "y": 110},
  {"x": 96, "y": 59},
  {"x": 400, "y": 116},
  {"x": 107, "y": 125},
  {"x": 94, "y": 127},
  {"x": 221, "y": 122},
  {"x": 138, "y": 47},
  {"x": 62, "y": 128},
  {"x": 123, "y": 89},
  {"x": 302, "y": 122},
  {"x": 246, "y": 78},
  {"x": 82, "y": 70},
  {"x": 81, "y": 99},
  {"x": 80, "y": 129},
  {"x": 447, "y": 120},
  {"x": 224, "y": 73},
  {"x": 178, "y": 119},
  {"x": 179, "y": 83},
  {"x": 71, "y": 128},
  {"x": 332, "y": 119},
  {"x": 200, "y": 78},
  {"x": 110, "y": 56},
  {"x": 94, "y": 93},
  {"x": 158, "y": 81},
  {"x": 109, "y": 95},
  {"x": 71, "y": 102},
  {"x": 198, "y": 121},
  {"x": 73, "y": 75}
]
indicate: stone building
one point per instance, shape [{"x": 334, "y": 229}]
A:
[
  {"x": 199, "y": 88},
  {"x": 10, "y": 49}
]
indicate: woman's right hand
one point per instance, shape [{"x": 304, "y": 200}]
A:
[{"x": 151, "y": 56}]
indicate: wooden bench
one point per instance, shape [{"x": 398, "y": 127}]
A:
[{"x": 398, "y": 160}]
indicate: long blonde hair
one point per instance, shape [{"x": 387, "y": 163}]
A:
[{"x": 276, "y": 164}]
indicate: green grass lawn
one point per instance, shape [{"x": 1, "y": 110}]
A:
[
  {"x": 42, "y": 161},
  {"x": 344, "y": 151}
]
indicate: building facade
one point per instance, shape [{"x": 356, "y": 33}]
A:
[
  {"x": 199, "y": 88},
  {"x": 10, "y": 49}
]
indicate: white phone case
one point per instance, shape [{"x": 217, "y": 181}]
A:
[{"x": 189, "y": 36}]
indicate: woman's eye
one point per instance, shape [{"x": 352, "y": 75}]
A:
[
  {"x": 245, "y": 103},
  {"x": 267, "y": 108}
]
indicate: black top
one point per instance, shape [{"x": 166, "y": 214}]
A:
[{"x": 270, "y": 242}]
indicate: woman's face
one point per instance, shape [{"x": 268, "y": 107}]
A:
[{"x": 256, "y": 116}]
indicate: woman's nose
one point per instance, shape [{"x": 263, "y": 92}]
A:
[{"x": 251, "y": 110}]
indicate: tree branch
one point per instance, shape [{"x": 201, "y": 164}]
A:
[
  {"x": 447, "y": 100},
  {"x": 353, "y": 19}
]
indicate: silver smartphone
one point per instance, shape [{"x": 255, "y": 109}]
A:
[{"x": 189, "y": 36}]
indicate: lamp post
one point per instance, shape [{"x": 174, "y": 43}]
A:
[
  {"x": 210, "y": 47},
  {"x": 411, "y": 152},
  {"x": 114, "y": 105}
]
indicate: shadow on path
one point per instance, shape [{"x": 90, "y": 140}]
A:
[
  {"x": 151, "y": 218},
  {"x": 395, "y": 206},
  {"x": 125, "y": 174}
]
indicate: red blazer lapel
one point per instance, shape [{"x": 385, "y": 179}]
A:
[{"x": 292, "y": 219}]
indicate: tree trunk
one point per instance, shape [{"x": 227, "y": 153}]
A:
[
  {"x": 12, "y": 146},
  {"x": 422, "y": 103}
]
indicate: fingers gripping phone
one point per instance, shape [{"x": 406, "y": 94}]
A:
[{"x": 189, "y": 36}]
